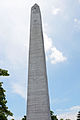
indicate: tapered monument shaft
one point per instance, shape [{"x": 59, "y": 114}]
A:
[{"x": 37, "y": 98}]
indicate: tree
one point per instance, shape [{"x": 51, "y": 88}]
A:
[
  {"x": 25, "y": 118},
  {"x": 61, "y": 119},
  {"x": 3, "y": 72},
  {"x": 53, "y": 117},
  {"x": 4, "y": 112},
  {"x": 78, "y": 116}
]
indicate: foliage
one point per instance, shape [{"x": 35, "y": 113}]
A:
[
  {"x": 53, "y": 117},
  {"x": 78, "y": 116},
  {"x": 61, "y": 119},
  {"x": 3, "y": 72},
  {"x": 25, "y": 118},
  {"x": 4, "y": 112}
]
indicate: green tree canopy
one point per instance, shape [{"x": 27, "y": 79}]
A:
[
  {"x": 4, "y": 112},
  {"x": 53, "y": 117},
  {"x": 78, "y": 116},
  {"x": 25, "y": 118},
  {"x": 4, "y": 72}
]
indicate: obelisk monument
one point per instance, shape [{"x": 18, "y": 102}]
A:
[{"x": 37, "y": 98}]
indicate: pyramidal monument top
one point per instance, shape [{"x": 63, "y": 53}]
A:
[{"x": 35, "y": 6}]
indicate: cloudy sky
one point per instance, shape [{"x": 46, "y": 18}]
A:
[{"x": 61, "y": 26}]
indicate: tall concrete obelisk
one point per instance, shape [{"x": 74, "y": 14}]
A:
[{"x": 37, "y": 99}]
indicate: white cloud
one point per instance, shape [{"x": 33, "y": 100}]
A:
[
  {"x": 71, "y": 116},
  {"x": 20, "y": 89},
  {"x": 75, "y": 20},
  {"x": 79, "y": 1},
  {"x": 47, "y": 43},
  {"x": 75, "y": 108},
  {"x": 13, "y": 33},
  {"x": 69, "y": 113},
  {"x": 57, "y": 56},
  {"x": 77, "y": 23},
  {"x": 52, "y": 52},
  {"x": 56, "y": 11}
]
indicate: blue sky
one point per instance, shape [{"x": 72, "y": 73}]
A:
[{"x": 61, "y": 26}]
